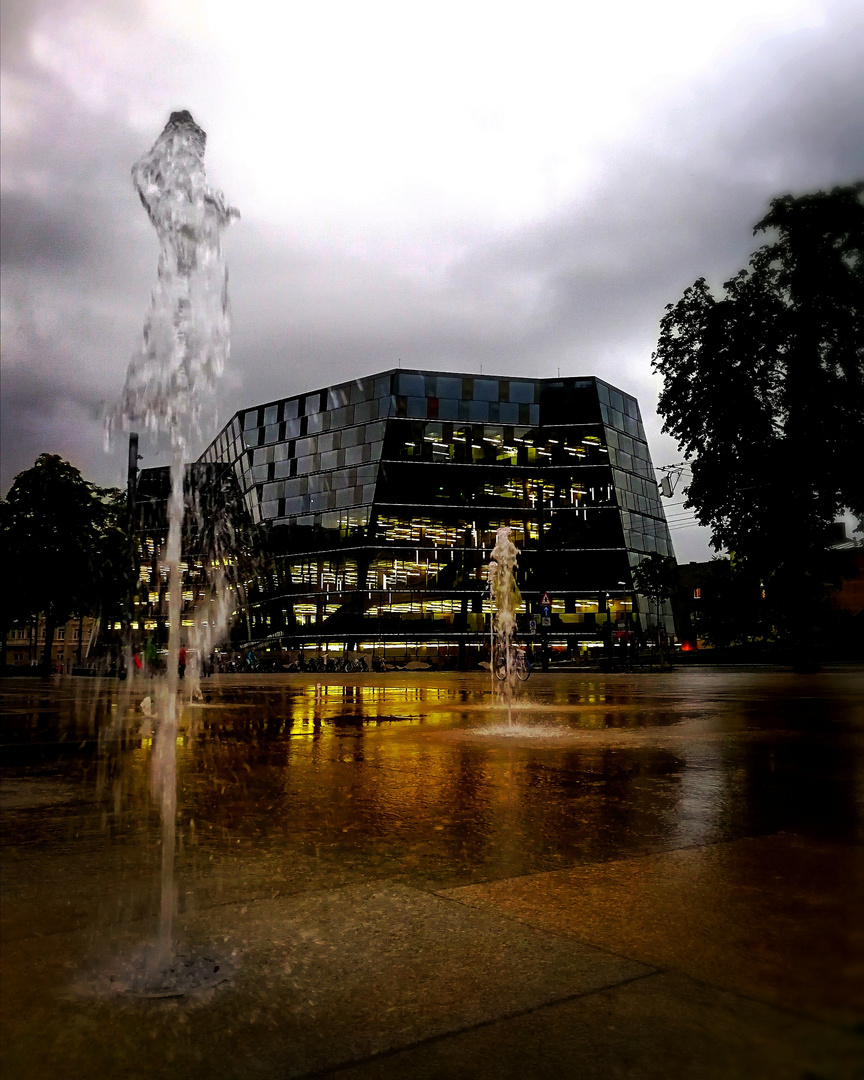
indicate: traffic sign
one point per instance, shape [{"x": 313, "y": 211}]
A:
[{"x": 545, "y": 601}]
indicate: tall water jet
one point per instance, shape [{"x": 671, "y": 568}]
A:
[
  {"x": 184, "y": 348},
  {"x": 506, "y": 600}
]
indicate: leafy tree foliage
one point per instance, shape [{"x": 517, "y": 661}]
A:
[
  {"x": 656, "y": 577},
  {"x": 764, "y": 391},
  {"x": 66, "y": 545}
]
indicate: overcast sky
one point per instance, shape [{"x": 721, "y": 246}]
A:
[{"x": 453, "y": 185}]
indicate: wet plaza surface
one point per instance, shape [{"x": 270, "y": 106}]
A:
[{"x": 630, "y": 875}]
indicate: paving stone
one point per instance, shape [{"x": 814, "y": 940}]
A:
[
  {"x": 323, "y": 979},
  {"x": 664, "y": 1027},
  {"x": 778, "y": 918}
]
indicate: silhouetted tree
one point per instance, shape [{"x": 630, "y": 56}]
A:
[
  {"x": 764, "y": 391},
  {"x": 66, "y": 545},
  {"x": 656, "y": 577}
]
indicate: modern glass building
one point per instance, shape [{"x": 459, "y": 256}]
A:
[{"x": 377, "y": 503}]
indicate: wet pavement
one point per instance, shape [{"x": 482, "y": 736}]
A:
[{"x": 630, "y": 875}]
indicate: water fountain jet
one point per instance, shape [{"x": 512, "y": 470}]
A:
[
  {"x": 506, "y": 600},
  {"x": 184, "y": 348}
]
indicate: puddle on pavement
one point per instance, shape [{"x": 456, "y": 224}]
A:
[{"x": 293, "y": 784}]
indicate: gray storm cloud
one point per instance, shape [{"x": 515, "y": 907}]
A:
[{"x": 582, "y": 288}]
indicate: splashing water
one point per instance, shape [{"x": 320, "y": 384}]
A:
[
  {"x": 184, "y": 349},
  {"x": 506, "y": 600},
  {"x": 186, "y": 334}
]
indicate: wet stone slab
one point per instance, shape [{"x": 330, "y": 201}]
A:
[
  {"x": 778, "y": 918},
  {"x": 321, "y": 980},
  {"x": 663, "y": 1027},
  {"x": 323, "y": 822}
]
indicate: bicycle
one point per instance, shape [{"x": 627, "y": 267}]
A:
[{"x": 520, "y": 666}]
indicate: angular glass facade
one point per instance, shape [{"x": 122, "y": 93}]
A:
[
  {"x": 216, "y": 530},
  {"x": 380, "y": 498}
]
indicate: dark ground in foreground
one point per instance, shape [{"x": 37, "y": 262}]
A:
[{"x": 641, "y": 876}]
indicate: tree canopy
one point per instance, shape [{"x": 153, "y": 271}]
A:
[
  {"x": 67, "y": 546},
  {"x": 656, "y": 577},
  {"x": 763, "y": 388}
]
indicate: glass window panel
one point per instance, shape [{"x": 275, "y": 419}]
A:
[
  {"x": 326, "y": 442},
  {"x": 271, "y": 434},
  {"x": 360, "y": 391},
  {"x": 411, "y": 385},
  {"x": 312, "y": 404},
  {"x": 250, "y": 420},
  {"x": 448, "y": 409},
  {"x": 299, "y": 505},
  {"x": 448, "y": 388},
  {"x": 382, "y": 387},
  {"x": 521, "y": 392},
  {"x": 487, "y": 390},
  {"x": 375, "y": 432},
  {"x": 319, "y": 422},
  {"x": 270, "y": 414},
  {"x": 282, "y": 468},
  {"x": 363, "y": 412},
  {"x": 354, "y": 454},
  {"x": 367, "y": 493},
  {"x": 416, "y": 406},
  {"x": 333, "y": 459},
  {"x": 534, "y": 415},
  {"x": 478, "y": 411},
  {"x": 337, "y": 396}
]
